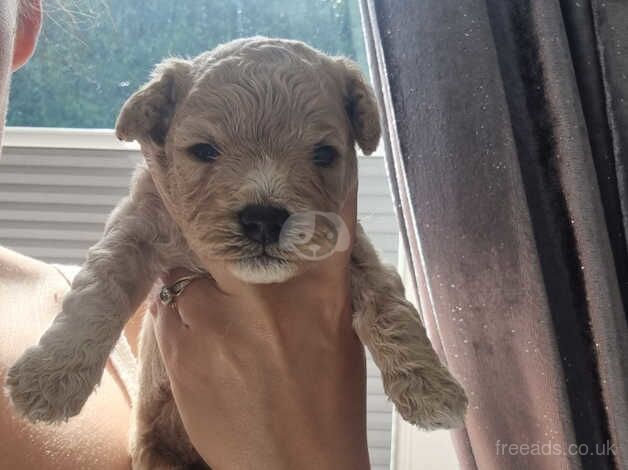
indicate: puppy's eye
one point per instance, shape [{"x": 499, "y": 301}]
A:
[
  {"x": 325, "y": 155},
  {"x": 204, "y": 152}
]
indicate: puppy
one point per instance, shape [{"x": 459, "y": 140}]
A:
[{"x": 236, "y": 142}]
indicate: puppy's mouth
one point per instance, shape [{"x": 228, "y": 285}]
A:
[
  {"x": 264, "y": 258},
  {"x": 263, "y": 268}
]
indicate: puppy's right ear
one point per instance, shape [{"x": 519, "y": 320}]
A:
[{"x": 146, "y": 115}]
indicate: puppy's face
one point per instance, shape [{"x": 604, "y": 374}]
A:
[{"x": 252, "y": 149}]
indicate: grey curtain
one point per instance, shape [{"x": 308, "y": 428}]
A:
[{"x": 507, "y": 149}]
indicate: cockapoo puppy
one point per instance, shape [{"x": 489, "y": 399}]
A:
[{"x": 236, "y": 142}]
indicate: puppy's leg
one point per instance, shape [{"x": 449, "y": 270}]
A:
[
  {"x": 52, "y": 380},
  {"x": 422, "y": 389},
  {"x": 158, "y": 439}
]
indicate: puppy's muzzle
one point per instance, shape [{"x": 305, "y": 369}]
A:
[{"x": 262, "y": 224}]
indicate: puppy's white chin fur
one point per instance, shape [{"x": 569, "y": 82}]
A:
[{"x": 263, "y": 271}]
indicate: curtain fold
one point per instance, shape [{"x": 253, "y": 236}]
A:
[{"x": 507, "y": 128}]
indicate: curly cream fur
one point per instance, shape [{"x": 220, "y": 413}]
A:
[{"x": 266, "y": 104}]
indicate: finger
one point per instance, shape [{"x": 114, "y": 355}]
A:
[
  {"x": 195, "y": 302},
  {"x": 167, "y": 317},
  {"x": 192, "y": 304},
  {"x": 218, "y": 271},
  {"x": 169, "y": 329},
  {"x": 173, "y": 275}
]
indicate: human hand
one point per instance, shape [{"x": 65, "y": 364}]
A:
[{"x": 269, "y": 376}]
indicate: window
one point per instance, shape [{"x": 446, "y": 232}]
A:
[{"x": 94, "y": 53}]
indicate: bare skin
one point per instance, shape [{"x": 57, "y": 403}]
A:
[
  {"x": 280, "y": 400},
  {"x": 30, "y": 296}
]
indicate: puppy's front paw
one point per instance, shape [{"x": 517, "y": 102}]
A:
[
  {"x": 45, "y": 385},
  {"x": 432, "y": 400}
]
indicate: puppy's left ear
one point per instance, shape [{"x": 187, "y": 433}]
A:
[
  {"x": 361, "y": 106},
  {"x": 146, "y": 115}
]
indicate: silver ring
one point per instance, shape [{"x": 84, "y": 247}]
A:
[{"x": 167, "y": 295}]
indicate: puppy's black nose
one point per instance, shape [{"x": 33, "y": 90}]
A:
[{"x": 262, "y": 223}]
